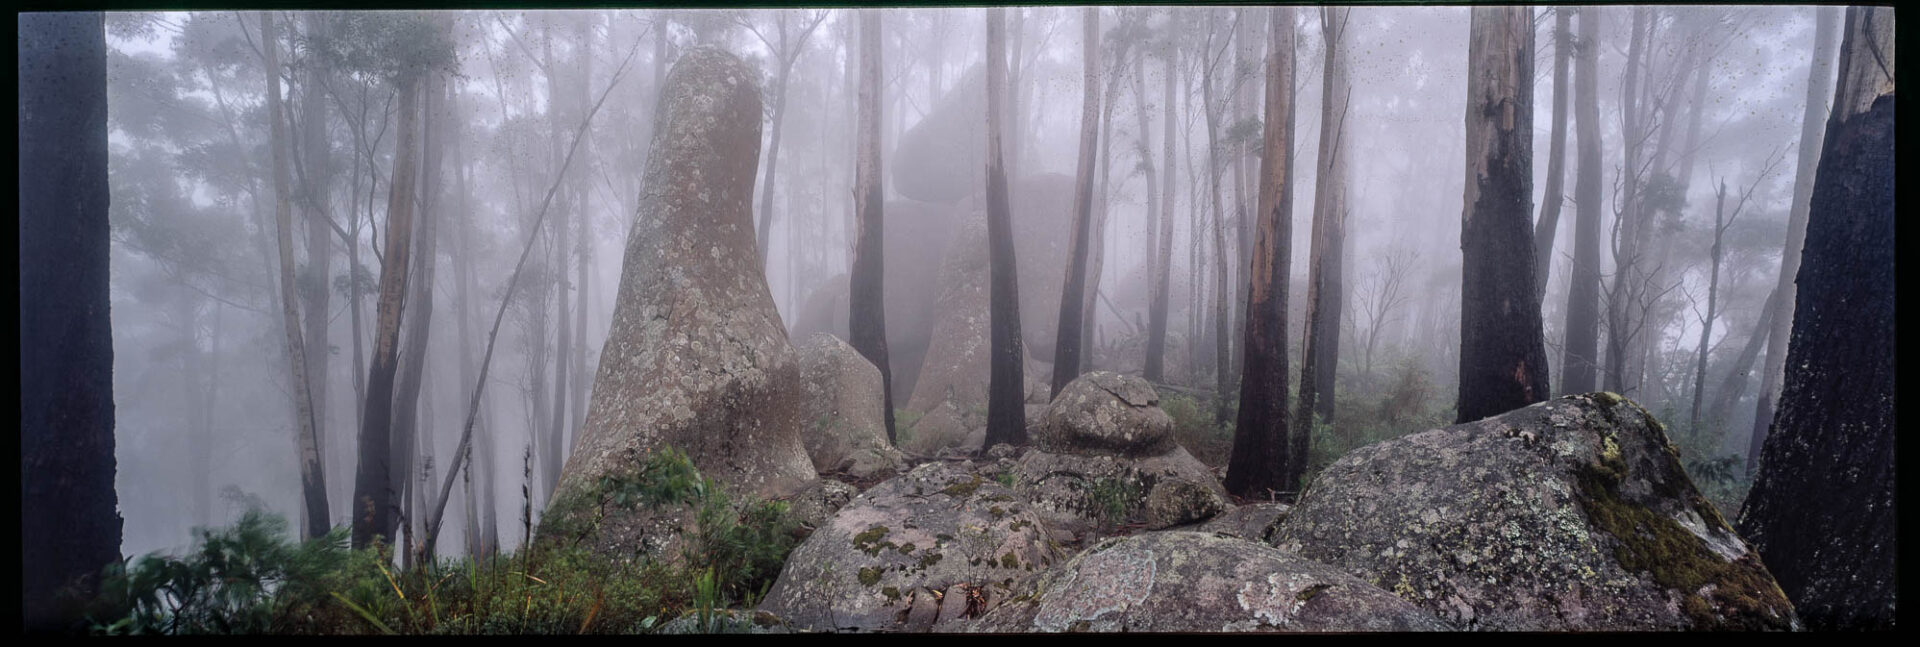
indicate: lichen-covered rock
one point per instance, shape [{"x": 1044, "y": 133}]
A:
[
  {"x": 1104, "y": 454},
  {"x": 845, "y": 430},
  {"x": 890, "y": 558},
  {"x": 1257, "y": 521},
  {"x": 916, "y": 232},
  {"x": 1569, "y": 515},
  {"x": 1106, "y": 413},
  {"x": 1194, "y": 582},
  {"x": 696, "y": 357},
  {"x": 948, "y": 430},
  {"x": 1075, "y": 495},
  {"x": 959, "y": 358},
  {"x": 813, "y": 506}
]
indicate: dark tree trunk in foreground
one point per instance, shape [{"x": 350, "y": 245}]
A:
[
  {"x": 1578, "y": 361},
  {"x": 69, "y": 523},
  {"x": 1818, "y": 78},
  {"x": 867, "y": 316},
  {"x": 1320, "y": 356},
  {"x": 373, "y": 496},
  {"x": 1260, "y": 451},
  {"x": 1066, "y": 346},
  {"x": 1503, "y": 361},
  {"x": 1006, "y": 385},
  {"x": 1549, "y": 223},
  {"x": 1821, "y": 510},
  {"x": 313, "y": 482}
]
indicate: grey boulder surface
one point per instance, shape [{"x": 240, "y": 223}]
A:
[
  {"x": 696, "y": 357},
  {"x": 902, "y": 554},
  {"x": 1175, "y": 581},
  {"x": 845, "y": 430},
  {"x": 1104, "y": 454},
  {"x": 1573, "y": 514}
]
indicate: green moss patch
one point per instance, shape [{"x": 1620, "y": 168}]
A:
[{"x": 1675, "y": 558}]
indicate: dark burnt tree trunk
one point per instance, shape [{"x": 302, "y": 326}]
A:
[
  {"x": 1260, "y": 450},
  {"x": 1066, "y": 347},
  {"x": 69, "y": 522},
  {"x": 1006, "y": 385},
  {"x": 1819, "y": 76},
  {"x": 867, "y": 320},
  {"x": 1579, "y": 359},
  {"x": 408, "y": 434},
  {"x": 374, "y": 511},
  {"x": 1320, "y": 356},
  {"x": 1821, "y": 510},
  {"x": 1503, "y": 360},
  {"x": 1549, "y": 223}
]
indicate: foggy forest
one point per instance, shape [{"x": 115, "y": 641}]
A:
[{"x": 973, "y": 319}]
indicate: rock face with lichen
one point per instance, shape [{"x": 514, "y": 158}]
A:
[
  {"x": 696, "y": 357},
  {"x": 1104, "y": 454},
  {"x": 1197, "y": 582},
  {"x": 937, "y": 542},
  {"x": 1569, "y": 515},
  {"x": 845, "y": 430}
]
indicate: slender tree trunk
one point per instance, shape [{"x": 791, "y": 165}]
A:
[
  {"x": 1821, "y": 512},
  {"x": 1066, "y": 353},
  {"x": 1735, "y": 383},
  {"x": 1503, "y": 359},
  {"x": 1628, "y": 272},
  {"x": 1580, "y": 358},
  {"x": 1097, "y": 246},
  {"x": 1144, "y": 138},
  {"x": 555, "y": 427},
  {"x": 315, "y": 206},
  {"x": 406, "y": 437},
  {"x": 1713, "y": 292},
  {"x": 1320, "y": 356},
  {"x": 1163, "y": 267},
  {"x": 1221, "y": 337},
  {"x": 1260, "y": 438},
  {"x": 1006, "y": 386},
  {"x": 1819, "y": 77},
  {"x": 313, "y": 482},
  {"x": 773, "y": 145},
  {"x": 867, "y": 315},
  {"x": 373, "y": 495},
  {"x": 1549, "y": 223}
]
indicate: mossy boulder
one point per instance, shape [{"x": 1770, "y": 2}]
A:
[
  {"x": 844, "y": 407},
  {"x": 1197, "y": 582},
  {"x": 1569, "y": 515},
  {"x": 1104, "y": 455},
  {"x": 890, "y": 558},
  {"x": 696, "y": 357}
]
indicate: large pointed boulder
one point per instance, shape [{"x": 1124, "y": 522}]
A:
[
  {"x": 1569, "y": 515},
  {"x": 696, "y": 358}
]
